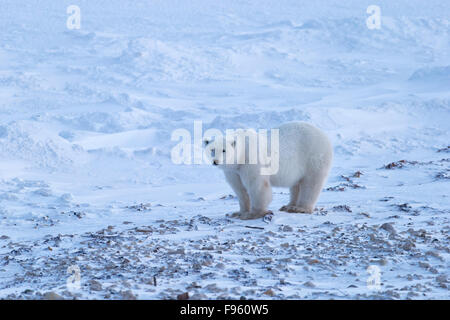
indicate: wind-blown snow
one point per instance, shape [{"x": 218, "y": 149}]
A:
[{"x": 86, "y": 177}]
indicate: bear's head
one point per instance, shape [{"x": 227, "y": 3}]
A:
[
  {"x": 238, "y": 147},
  {"x": 216, "y": 150}
]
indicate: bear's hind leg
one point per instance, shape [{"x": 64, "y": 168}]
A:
[
  {"x": 294, "y": 191},
  {"x": 310, "y": 190}
]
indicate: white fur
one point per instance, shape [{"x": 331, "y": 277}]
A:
[{"x": 305, "y": 156}]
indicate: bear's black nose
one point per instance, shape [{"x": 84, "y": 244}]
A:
[{"x": 215, "y": 162}]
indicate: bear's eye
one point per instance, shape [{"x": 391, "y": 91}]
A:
[{"x": 223, "y": 151}]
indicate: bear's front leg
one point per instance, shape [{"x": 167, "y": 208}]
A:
[
  {"x": 235, "y": 182},
  {"x": 260, "y": 193}
]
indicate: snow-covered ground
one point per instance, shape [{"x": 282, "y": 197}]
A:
[{"x": 87, "y": 182}]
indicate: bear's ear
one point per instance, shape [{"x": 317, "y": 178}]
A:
[{"x": 206, "y": 142}]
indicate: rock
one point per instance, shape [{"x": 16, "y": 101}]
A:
[
  {"x": 433, "y": 270},
  {"x": 309, "y": 284},
  {"x": 52, "y": 296},
  {"x": 388, "y": 227},
  {"x": 194, "y": 285},
  {"x": 403, "y": 207},
  {"x": 446, "y": 149},
  {"x": 287, "y": 229},
  {"x": 269, "y": 292},
  {"x": 435, "y": 255},
  {"x": 381, "y": 262},
  {"x": 342, "y": 208},
  {"x": 213, "y": 288},
  {"x": 95, "y": 285},
  {"x": 408, "y": 245},
  {"x": 399, "y": 164},
  {"x": 227, "y": 197},
  {"x": 183, "y": 296},
  {"x": 365, "y": 214},
  {"x": 357, "y": 174},
  {"x": 206, "y": 263},
  {"x": 178, "y": 251},
  {"x": 412, "y": 294},
  {"x": 442, "y": 278},
  {"x": 197, "y": 266},
  {"x": 424, "y": 265},
  {"x": 128, "y": 295},
  {"x": 199, "y": 296},
  {"x": 141, "y": 207}
]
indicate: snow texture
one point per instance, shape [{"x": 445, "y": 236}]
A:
[{"x": 87, "y": 181}]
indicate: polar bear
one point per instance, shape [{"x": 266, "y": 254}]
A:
[{"x": 304, "y": 161}]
